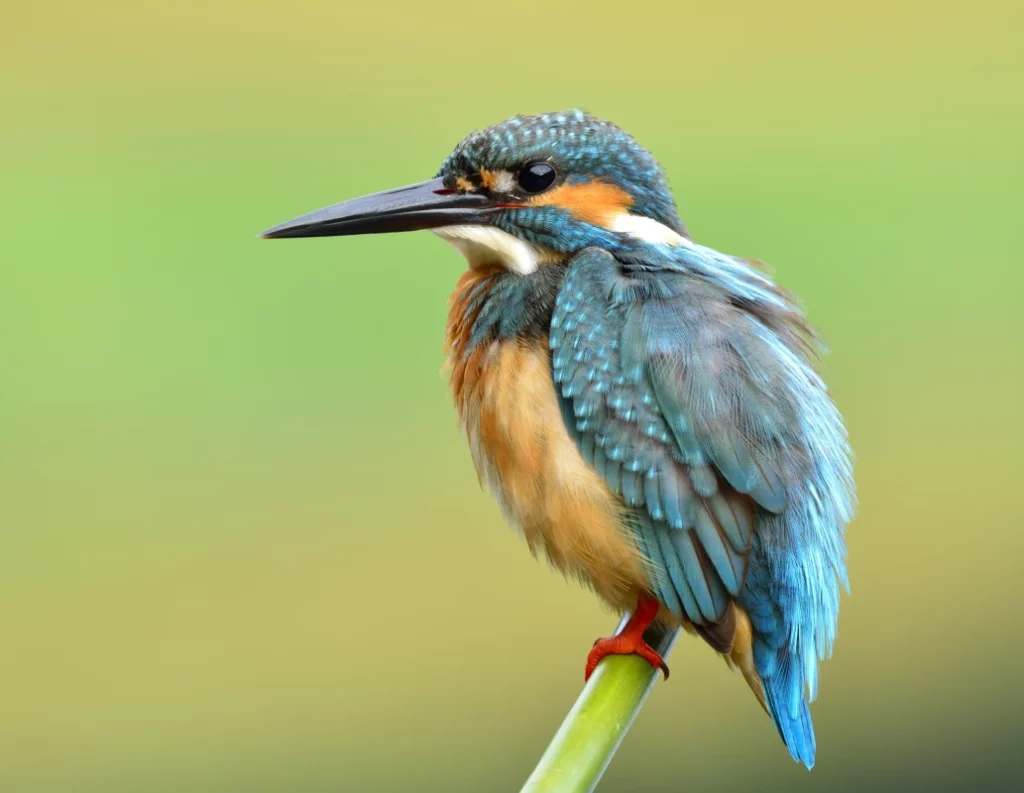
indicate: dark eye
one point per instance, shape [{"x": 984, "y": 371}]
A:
[{"x": 537, "y": 178}]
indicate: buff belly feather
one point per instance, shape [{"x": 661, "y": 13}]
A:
[{"x": 523, "y": 453}]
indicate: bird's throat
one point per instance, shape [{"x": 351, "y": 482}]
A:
[{"x": 487, "y": 247}]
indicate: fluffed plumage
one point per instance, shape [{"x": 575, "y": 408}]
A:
[{"x": 644, "y": 408}]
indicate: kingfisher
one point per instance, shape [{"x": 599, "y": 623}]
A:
[{"x": 645, "y": 409}]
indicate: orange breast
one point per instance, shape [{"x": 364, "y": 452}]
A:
[{"x": 522, "y": 451}]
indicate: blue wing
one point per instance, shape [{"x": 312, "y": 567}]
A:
[{"x": 696, "y": 402}]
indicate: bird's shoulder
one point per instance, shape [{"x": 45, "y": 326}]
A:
[
  {"x": 688, "y": 391},
  {"x": 675, "y": 362}
]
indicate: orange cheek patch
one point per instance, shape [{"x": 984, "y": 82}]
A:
[
  {"x": 488, "y": 179},
  {"x": 463, "y": 184},
  {"x": 594, "y": 202}
]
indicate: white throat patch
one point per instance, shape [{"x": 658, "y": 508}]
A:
[{"x": 486, "y": 245}]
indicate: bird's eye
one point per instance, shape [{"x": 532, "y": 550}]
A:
[{"x": 537, "y": 177}]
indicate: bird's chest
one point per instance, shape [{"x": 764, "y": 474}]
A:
[{"x": 522, "y": 451}]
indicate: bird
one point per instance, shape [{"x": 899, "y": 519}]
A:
[{"x": 646, "y": 410}]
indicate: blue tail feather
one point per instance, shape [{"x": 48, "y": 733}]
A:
[{"x": 792, "y": 716}]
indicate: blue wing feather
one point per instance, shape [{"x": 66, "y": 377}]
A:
[
  {"x": 611, "y": 407},
  {"x": 688, "y": 387}
]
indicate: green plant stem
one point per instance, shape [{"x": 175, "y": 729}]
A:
[{"x": 585, "y": 743}]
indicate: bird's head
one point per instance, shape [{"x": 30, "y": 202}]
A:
[{"x": 527, "y": 191}]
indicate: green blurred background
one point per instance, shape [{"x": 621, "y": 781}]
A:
[{"x": 242, "y": 547}]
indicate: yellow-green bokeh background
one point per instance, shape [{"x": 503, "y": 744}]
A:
[{"x": 242, "y": 547}]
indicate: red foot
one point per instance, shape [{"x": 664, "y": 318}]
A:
[{"x": 630, "y": 641}]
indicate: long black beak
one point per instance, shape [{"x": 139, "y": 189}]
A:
[{"x": 426, "y": 205}]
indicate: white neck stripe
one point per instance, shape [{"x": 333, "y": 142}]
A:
[{"x": 645, "y": 229}]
